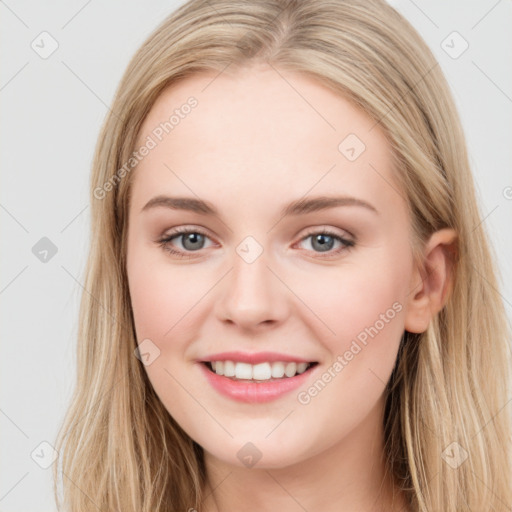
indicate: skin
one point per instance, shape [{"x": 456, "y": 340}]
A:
[{"x": 251, "y": 146}]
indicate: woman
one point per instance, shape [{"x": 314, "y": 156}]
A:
[{"x": 252, "y": 371}]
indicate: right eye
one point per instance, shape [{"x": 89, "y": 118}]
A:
[{"x": 192, "y": 240}]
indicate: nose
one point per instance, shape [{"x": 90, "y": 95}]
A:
[{"x": 252, "y": 296}]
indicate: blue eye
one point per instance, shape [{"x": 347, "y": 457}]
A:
[
  {"x": 324, "y": 241},
  {"x": 193, "y": 240}
]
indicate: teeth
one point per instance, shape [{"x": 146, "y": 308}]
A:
[
  {"x": 242, "y": 370},
  {"x": 229, "y": 369},
  {"x": 290, "y": 369},
  {"x": 261, "y": 371},
  {"x": 277, "y": 370},
  {"x": 301, "y": 367}
]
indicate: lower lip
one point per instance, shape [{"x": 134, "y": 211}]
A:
[{"x": 255, "y": 392}]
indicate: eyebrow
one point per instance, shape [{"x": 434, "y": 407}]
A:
[{"x": 298, "y": 207}]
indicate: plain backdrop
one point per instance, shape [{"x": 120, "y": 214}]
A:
[{"x": 51, "y": 111}]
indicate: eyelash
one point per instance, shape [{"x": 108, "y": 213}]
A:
[{"x": 165, "y": 242}]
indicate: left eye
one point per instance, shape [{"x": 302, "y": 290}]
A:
[{"x": 325, "y": 240}]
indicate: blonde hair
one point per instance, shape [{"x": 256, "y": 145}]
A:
[{"x": 119, "y": 447}]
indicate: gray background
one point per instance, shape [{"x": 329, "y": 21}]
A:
[{"x": 52, "y": 109}]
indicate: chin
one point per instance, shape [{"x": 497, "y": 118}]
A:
[{"x": 263, "y": 454}]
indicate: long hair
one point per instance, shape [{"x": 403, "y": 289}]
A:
[{"x": 447, "y": 428}]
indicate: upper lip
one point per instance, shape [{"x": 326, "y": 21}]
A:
[{"x": 255, "y": 357}]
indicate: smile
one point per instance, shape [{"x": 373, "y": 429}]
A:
[
  {"x": 262, "y": 372},
  {"x": 256, "y": 383}
]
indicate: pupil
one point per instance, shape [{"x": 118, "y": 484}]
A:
[
  {"x": 194, "y": 238},
  {"x": 324, "y": 246}
]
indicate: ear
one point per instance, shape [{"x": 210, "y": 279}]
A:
[{"x": 431, "y": 286}]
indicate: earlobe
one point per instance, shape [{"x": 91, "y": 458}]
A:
[{"x": 431, "y": 285}]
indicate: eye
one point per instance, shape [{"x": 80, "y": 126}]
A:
[
  {"x": 323, "y": 241},
  {"x": 192, "y": 240}
]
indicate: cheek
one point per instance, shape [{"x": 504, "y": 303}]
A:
[
  {"x": 153, "y": 306},
  {"x": 163, "y": 299},
  {"x": 361, "y": 306},
  {"x": 356, "y": 297},
  {"x": 161, "y": 294}
]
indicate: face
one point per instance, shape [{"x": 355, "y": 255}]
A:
[{"x": 325, "y": 283}]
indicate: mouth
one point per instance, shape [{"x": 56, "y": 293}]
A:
[{"x": 260, "y": 373}]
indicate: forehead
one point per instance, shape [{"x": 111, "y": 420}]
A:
[{"x": 259, "y": 134}]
